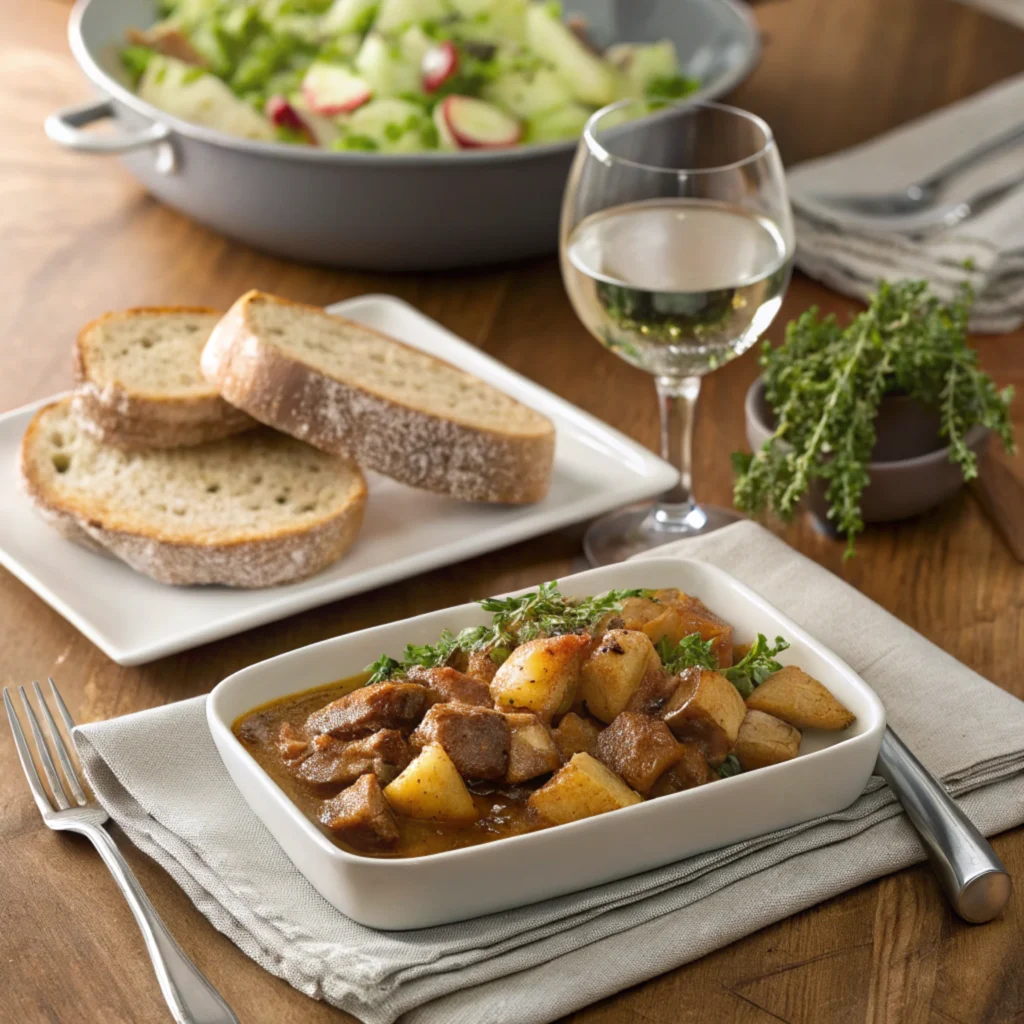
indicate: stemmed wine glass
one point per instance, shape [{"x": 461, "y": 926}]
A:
[{"x": 676, "y": 249}]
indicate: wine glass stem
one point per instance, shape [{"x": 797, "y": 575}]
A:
[{"x": 677, "y": 401}]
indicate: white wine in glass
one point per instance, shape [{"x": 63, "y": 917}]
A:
[{"x": 677, "y": 247}]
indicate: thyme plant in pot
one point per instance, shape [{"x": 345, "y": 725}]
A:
[{"x": 877, "y": 420}]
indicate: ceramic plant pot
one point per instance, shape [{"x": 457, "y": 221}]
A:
[{"x": 910, "y": 468}]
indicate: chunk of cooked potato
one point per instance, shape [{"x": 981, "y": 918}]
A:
[
  {"x": 576, "y": 734},
  {"x": 764, "y": 740},
  {"x": 688, "y": 615},
  {"x": 613, "y": 670},
  {"x": 799, "y": 699},
  {"x": 431, "y": 788},
  {"x": 532, "y": 751},
  {"x": 541, "y": 675},
  {"x": 582, "y": 788},
  {"x": 706, "y": 709}
]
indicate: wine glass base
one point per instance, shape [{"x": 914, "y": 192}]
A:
[{"x": 628, "y": 531}]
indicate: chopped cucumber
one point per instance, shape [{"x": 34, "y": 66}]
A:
[
  {"x": 384, "y": 66},
  {"x": 396, "y": 15},
  {"x": 396, "y": 126},
  {"x": 588, "y": 78},
  {"x": 528, "y": 94},
  {"x": 490, "y": 21},
  {"x": 193, "y": 95},
  {"x": 349, "y": 16},
  {"x": 642, "y": 64},
  {"x": 556, "y": 125}
]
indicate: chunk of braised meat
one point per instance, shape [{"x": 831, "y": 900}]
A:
[
  {"x": 689, "y": 771},
  {"x": 476, "y": 739},
  {"x": 481, "y": 666},
  {"x": 257, "y": 729},
  {"x": 291, "y": 744},
  {"x": 360, "y": 816},
  {"x": 532, "y": 750},
  {"x": 378, "y": 706},
  {"x": 576, "y": 735},
  {"x": 654, "y": 690},
  {"x": 335, "y": 762},
  {"x": 445, "y": 684},
  {"x": 639, "y": 748}
]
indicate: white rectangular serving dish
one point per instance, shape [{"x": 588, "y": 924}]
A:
[
  {"x": 134, "y": 619},
  {"x": 420, "y": 892}
]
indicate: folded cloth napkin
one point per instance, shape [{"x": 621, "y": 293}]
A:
[
  {"x": 852, "y": 255},
  {"x": 160, "y": 777}
]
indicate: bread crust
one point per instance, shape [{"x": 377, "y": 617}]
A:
[
  {"x": 135, "y": 421},
  {"x": 276, "y": 557},
  {"x": 414, "y": 447}
]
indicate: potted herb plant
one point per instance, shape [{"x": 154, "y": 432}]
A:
[{"x": 876, "y": 420}]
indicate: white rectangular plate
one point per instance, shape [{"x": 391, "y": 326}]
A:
[
  {"x": 133, "y": 619},
  {"x": 418, "y": 892}
]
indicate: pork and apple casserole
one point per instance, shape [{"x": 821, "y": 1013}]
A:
[{"x": 558, "y": 710}]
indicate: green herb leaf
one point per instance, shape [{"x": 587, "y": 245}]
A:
[
  {"x": 135, "y": 60},
  {"x": 672, "y": 88},
  {"x": 729, "y": 767},
  {"x": 756, "y": 665},
  {"x": 825, "y": 384},
  {"x": 382, "y": 669},
  {"x": 692, "y": 651}
]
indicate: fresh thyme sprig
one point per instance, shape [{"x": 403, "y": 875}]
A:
[
  {"x": 514, "y": 621},
  {"x": 825, "y": 384}
]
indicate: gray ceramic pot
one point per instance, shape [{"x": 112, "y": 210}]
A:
[
  {"x": 372, "y": 211},
  {"x": 910, "y": 469}
]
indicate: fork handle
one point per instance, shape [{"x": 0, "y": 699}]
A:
[{"x": 190, "y": 997}]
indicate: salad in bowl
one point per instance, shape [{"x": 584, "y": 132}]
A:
[{"x": 394, "y": 76}]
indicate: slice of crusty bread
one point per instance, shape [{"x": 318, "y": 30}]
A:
[
  {"x": 253, "y": 510},
  {"x": 139, "y": 382},
  {"x": 346, "y": 388}
]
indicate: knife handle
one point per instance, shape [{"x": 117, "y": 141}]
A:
[{"x": 974, "y": 878}]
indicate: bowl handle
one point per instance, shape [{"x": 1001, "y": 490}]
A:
[{"x": 65, "y": 127}]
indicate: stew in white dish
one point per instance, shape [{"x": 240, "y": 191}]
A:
[{"x": 557, "y": 710}]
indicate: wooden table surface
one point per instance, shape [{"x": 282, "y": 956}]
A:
[{"x": 80, "y": 237}]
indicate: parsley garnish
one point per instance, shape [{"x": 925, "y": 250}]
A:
[
  {"x": 750, "y": 671},
  {"x": 825, "y": 384},
  {"x": 729, "y": 767}
]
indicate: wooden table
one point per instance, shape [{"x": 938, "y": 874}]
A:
[{"x": 80, "y": 237}]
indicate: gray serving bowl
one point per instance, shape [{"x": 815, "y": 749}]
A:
[
  {"x": 910, "y": 469},
  {"x": 372, "y": 211}
]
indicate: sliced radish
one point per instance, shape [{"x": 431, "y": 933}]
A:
[
  {"x": 281, "y": 113},
  {"x": 439, "y": 63},
  {"x": 331, "y": 89},
  {"x": 474, "y": 124}
]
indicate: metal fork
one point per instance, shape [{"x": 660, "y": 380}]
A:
[
  {"x": 922, "y": 194},
  {"x": 190, "y": 997}
]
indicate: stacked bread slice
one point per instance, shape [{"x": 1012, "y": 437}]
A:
[{"x": 203, "y": 449}]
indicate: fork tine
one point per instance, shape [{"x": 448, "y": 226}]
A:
[
  {"x": 59, "y": 796},
  {"x": 70, "y": 775},
  {"x": 27, "y": 764},
  {"x": 69, "y": 723}
]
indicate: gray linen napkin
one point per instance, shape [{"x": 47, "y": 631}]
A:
[
  {"x": 851, "y": 253},
  {"x": 159, "y": 775}
]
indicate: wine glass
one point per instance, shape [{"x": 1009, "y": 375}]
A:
[{"x": 676, "y": 249}]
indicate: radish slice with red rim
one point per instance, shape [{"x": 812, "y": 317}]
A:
[
  {"x": 439, "y": 64},
  {"x": 331, "y": 89},
  {"x": 475, "y": 124}
]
